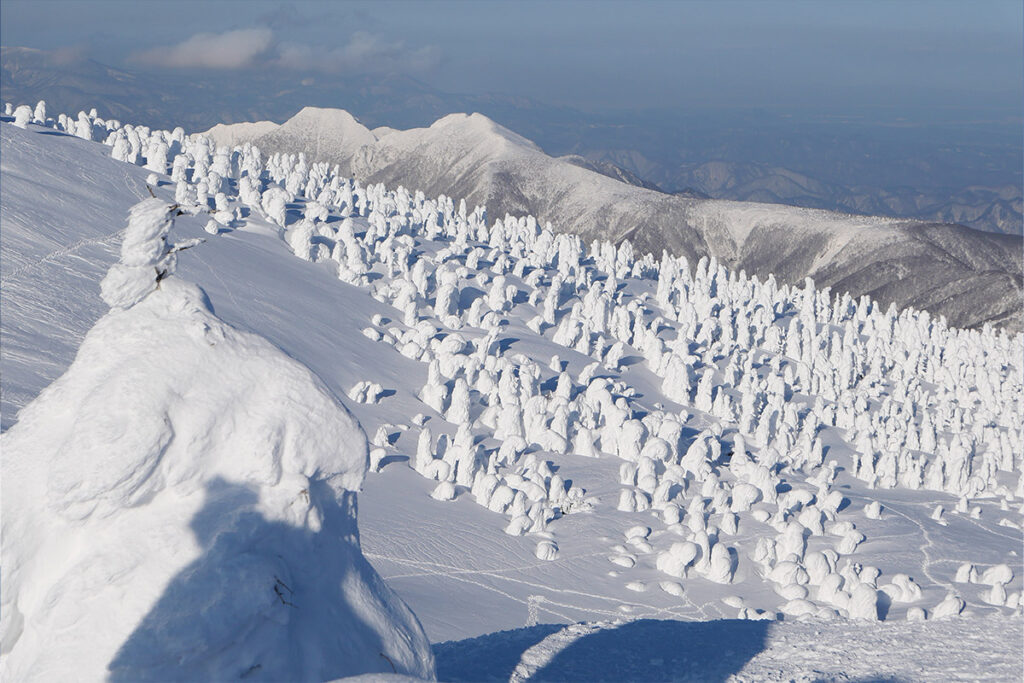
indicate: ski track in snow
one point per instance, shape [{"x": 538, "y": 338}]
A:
[
  {"x": 928, "y": 561},
  {"x": 57, "y": 254},
  {"x": 461, "y": 575},
  {"x": 458, "y": 573},
  {"x": 227, "y": 289}
]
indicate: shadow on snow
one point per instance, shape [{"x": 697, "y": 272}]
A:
[
  {"x": 264, "y": 601},
  {"x": 643, "y": 650}
]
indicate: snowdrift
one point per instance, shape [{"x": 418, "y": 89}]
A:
[{"x": 180, "y": 504}]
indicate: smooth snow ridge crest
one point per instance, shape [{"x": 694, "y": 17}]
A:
[{"x": 231, "y": 134}]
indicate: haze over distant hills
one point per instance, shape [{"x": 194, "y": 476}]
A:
[
  {"x": 865, "y": 162},
  {"x": 971, "y": 277},
  {"x": 868, "y": 163}
]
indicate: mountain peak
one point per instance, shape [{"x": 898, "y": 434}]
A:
[
  {"x": 330, "y": 122},
  {"x": 480, "y": 125},
  {"x": 324, "y": 116},
  {"x": 320, "y": 132}
]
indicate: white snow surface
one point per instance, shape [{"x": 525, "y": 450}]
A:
[
  {"x": 514, "y": 449},
  {"x": 730, "y": 650},
  {"x": 236, "y": 133},
  {"x": 180, "y": 505},
  {"x": 322, "y": 131},
  {"x": 61, "y": 229}
]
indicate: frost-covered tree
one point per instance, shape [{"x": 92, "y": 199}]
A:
[
  {"x": 39, "y": 115},
  {"x": 274, "y": 204},
  {"x": 83, "y": 128},
  {"x": 23, "y": 116},
  {"x": 146, "y": 255}
]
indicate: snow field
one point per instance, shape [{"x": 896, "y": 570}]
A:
[
  {"x": 180, "y": 503},
  {"x": 782, "y": 444}
]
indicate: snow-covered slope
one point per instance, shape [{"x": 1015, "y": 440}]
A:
[
  {"x": 59, "y": 237},
  {"x": 704, "y": 446},
  {"x": 180, "y": 504},
  {"x": 969, "y": 276},
  {"x": 607, "y": 168}
]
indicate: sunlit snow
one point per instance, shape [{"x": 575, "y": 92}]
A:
[{"x": 560, "y": 432}]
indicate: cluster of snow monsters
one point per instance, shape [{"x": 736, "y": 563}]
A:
[{"x": 768, "y": 391}]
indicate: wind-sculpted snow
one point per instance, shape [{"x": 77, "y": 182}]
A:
[
  {"x": 51, "y": 248},
  {"x": 580, "y": 432},
  {"x": 968, "y": 276},
  {"x": 180, "y": 504}
]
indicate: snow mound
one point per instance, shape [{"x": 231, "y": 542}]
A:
[{"x": 180, "y": 505}]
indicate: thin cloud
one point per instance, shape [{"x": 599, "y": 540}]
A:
[
  {"x": 364, "y": 53},
  {"x": 230, "y": 50}
]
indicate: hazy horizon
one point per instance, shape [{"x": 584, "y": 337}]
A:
[
  {"x": 901, "y": 60},
  {"x": 913, "y": 109}
]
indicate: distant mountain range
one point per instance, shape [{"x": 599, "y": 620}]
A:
[
  {"x": 996, "y": 209},
  {"x": 847, "y": 163},
  {"x": 969, "y": 276}
]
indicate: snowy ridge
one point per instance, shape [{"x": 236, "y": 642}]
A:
[
  {"x": 968, "y": 276},
  {"x": 166, "y": 498},
  {"x": 694, "y": 442},
  {"x": 231, "y": 134}
]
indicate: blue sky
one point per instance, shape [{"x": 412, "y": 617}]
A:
[{"x": 796, "y": 53}]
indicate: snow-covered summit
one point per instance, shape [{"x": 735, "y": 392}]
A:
[
  {"x": 320, "y": 133},
  {"x": 482, "y": 128},
  {"x": 335, "y": 125}
]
